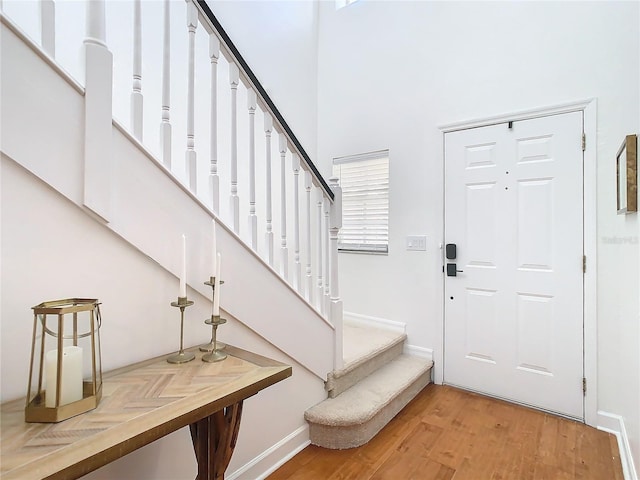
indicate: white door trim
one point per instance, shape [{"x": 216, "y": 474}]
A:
[{"x": 589, "y": 109}]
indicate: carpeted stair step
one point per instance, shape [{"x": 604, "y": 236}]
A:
[
  {"x": 355, "y": 416},
  {"x": 365, "y": 350}
]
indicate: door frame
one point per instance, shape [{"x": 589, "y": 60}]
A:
[{"x": 590, "y": 340}]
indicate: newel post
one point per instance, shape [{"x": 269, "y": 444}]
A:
[
  {"x": 98, "y": 114},
  {"x": 335, "y": 312}
]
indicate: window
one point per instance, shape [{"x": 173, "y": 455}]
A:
[{"x": 365, "y": 202}]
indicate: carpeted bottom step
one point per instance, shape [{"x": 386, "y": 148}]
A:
[
  {"x": 365, "y": 351},
  {"x": 355, "y": 416}
]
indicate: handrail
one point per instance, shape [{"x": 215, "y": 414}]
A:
[
  {"x": 256, "y": 83},
  {"x": 320, "y": 286}
]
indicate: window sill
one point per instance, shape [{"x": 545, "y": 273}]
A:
[{"x": 365, "y": 252}]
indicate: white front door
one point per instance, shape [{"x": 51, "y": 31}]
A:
[{"x": 514, "y": 312}]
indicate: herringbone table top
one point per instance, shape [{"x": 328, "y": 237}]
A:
[{"x": 140, "y": 404}]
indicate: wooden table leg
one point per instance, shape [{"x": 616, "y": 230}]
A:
[{"x": 214, "y": 439}]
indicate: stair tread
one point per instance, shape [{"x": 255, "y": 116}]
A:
[
  {"x": 361, "y": 402},
  {"x": 360, "y": 344}
]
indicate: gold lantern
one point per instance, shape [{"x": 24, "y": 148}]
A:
[{"x": 65, "y": 376}]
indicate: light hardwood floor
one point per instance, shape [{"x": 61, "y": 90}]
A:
[{"x": 446, "y": 433}]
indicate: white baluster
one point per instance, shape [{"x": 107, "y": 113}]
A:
[
  {"x": 252, "y": 104},
  {"x": 136, "y": 93},
  {"x": 214, "y": 178},
  {"x": 98, "y": 113},
  {"x": 190, "y": 157},
  {"x": 335, "y": 312},
  {"x": 165, "y": 125},
  {"x": 48, "y": 26},
  {"x": 234, "y": 80},
  {"x": 321, "y": 305},
  {"x": 326, "y": 205},
  {"x": 284, "y": 261},
  {"x": 308, "y": 290},
  {"x": 268, "y": 128},
  {"x": 297, "y": 268}
]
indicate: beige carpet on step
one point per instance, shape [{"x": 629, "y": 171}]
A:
[
  {"x": 360, "y": 344},
  {"x": 360, "y": 412}
]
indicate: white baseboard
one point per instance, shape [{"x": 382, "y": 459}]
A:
[
  {"x": 421, "y": 352},
  {"x": 368, "y": 321},
  {"x": 274, "y": 457},
  {"x": 612, "y": 423}
]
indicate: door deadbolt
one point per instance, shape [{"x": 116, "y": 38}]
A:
[
  {"x": 451, "y": 251},
  {"x": 452, "y": 270}
]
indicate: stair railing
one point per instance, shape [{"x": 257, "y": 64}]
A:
[{"x": 226, "y": 163}]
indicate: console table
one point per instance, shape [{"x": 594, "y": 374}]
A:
[{"x": 140, "y": 404}]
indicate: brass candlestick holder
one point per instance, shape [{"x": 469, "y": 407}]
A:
[
  {"x": 209, "y": 347},
  {"x": 181, "y": 356},
  {"x": 215, "y": 355}
]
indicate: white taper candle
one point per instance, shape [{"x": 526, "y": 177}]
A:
[
  {"x": 183, "y": 269},
  {"x": 216, "y": 296},
  {"x": 214, "y": 249}
]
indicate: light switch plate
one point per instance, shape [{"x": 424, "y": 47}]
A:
[{"x": 417, "y": 242}]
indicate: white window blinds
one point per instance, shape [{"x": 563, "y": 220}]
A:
[{"x": 365, "y": 202}]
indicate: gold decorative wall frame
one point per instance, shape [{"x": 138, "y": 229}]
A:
[{"x": 627, "y": 175}]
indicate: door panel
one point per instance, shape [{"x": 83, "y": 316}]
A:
[{"x": 513, "y": 315}]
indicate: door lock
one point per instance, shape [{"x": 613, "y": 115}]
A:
[
  {"x": 450, "y": 251},
  {"x": 452, "y": 270}
]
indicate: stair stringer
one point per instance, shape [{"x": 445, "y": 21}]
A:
[{"x": 151, "y": 209}]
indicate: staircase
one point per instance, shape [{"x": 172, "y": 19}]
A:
[
  {"x": 239, "y": 163},
  {"x": 376, "y": 382},
  {"x": 147, "y": 192}
]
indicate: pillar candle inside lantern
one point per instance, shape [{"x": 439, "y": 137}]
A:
[{"x": 71, "y": 383}]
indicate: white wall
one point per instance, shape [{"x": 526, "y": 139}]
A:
[{"x": 390, "y": 73}]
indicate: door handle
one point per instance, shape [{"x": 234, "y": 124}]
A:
[{"x": 452, "y": 270}]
